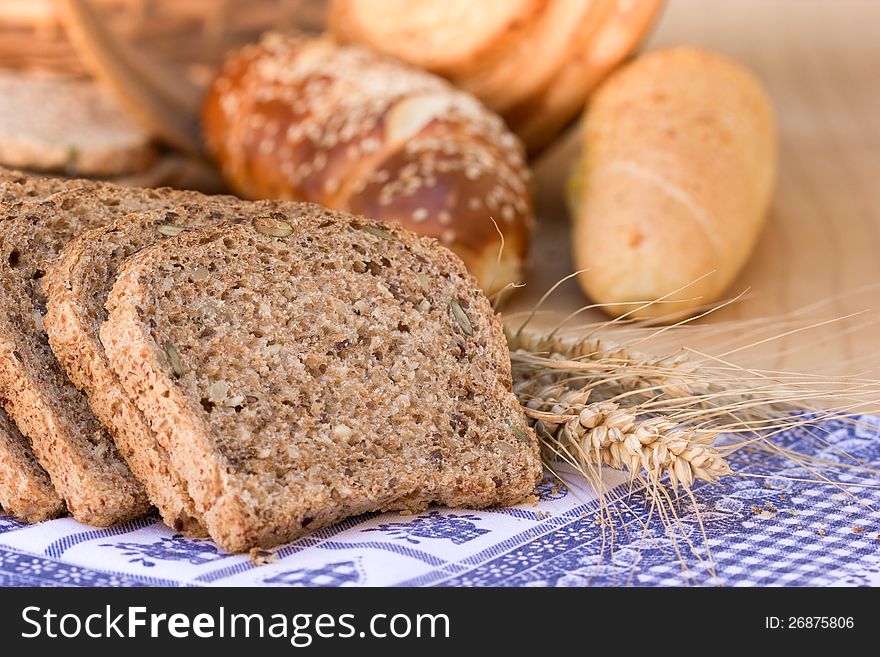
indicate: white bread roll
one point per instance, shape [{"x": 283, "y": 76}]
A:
[{"x": 677, "y": 174}]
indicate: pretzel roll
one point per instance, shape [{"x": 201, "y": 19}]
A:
[
  {"x": 305, "y": 119},
  {"x": 533, "y": 61}
]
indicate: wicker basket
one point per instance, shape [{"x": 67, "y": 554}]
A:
[{"x": 192, "y": 34}]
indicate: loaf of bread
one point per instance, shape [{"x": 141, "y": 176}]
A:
[
  {"x": 305, "y": 119},
  {"x": 676, "y": 176},
  {"x": 533, "y": 61},
  {"x": 312, "y": 365}
]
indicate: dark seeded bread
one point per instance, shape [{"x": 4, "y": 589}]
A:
[
  {"x": 25, "y": 489},
  {"x": 76, "y": 287},
  {"x": 301, "y": 378},
  {"x": 68, "y": 441},
  {"x": 16, "y": 186}
]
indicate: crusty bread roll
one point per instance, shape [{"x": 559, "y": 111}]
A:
[
  {"x": 677, "y": 173},
  {"x": 65, "y": 124},
  {"x": 533, "y": 61},
  {"x": 306, "y": 119}
]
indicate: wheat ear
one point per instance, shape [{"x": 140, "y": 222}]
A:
[{"x": 605, "y": 434}]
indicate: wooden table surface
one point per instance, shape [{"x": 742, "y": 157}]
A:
[{"x": 820, "y": 251}]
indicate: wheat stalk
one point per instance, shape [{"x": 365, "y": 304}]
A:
[
  {"x": 605, "y": 434},
  {"x": 555, "y": 378},
  {"x": 673, "y": 407},
  {"x": 604, "y": 404}
]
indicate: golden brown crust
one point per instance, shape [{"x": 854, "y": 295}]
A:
[
  {"x": 339, "y": 380},
  {"x": 471, "y": 228},
  {"x": 304, "y": 119},
  {"x": 678, "y": 170},
  {"x": 558, "y": 33},
  {"x": 534, "y": 63},
  {"x": 613, "y": 31}
]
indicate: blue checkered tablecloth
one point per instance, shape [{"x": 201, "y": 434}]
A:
[{"x": 774, "y": 524}]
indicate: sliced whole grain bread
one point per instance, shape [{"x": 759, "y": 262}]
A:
[
  {"x": 26, "y": 491},
  {"x": 76, "y": 286},
  {"x": 312, "y": 365},
  {"x": 81, "y": 460}
]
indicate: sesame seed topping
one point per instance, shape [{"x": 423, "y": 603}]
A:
[{"x": 341, "y": 100}]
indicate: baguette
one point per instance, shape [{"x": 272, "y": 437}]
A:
[
  {"x": 312, "y": 365},
  {"x": 676, "y": 177},
  {"x": 305, "y": 119}
]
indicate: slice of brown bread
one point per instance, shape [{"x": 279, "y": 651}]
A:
[
  {"x": 17, "y": 186},
  {"x": 76, "y": 286},
  {"x": 25, "y": 489},
  {"x": 314, "y": 365},
  {"x": 68, "y": 441}
]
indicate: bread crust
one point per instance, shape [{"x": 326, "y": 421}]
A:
[
  {"x": 258, "y": 487},
  {"x": 613, "y": 32},
  {"x": 25, "y": 489},
  {"x": 538, "y": 68},
  {"x": 448, "y": 38}
]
